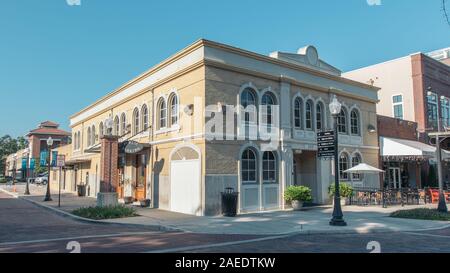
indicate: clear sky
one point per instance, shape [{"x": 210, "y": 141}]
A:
[{"x": 55, "y": 59}]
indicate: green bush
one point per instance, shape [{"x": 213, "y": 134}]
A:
[
  {"x": 422, "y": 214},
  {"x": 2, "y": 180},
  {"x": 345, "y": 190},
  {"x": 101, "y": 213},
  {"x": 298, "y": 193}
]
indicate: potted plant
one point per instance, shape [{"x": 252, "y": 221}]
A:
[
  {"x": 297, "y": 195},
  {"x": 345, "y": 190}
]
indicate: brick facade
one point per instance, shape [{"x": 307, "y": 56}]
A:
[{"x": 109, "y": 175}]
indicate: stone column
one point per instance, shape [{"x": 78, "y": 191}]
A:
[{"x": 109, "y": 179}]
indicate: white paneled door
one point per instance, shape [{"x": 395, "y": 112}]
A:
[{"x": 185, "y": 187}]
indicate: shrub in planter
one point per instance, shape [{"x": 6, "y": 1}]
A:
[
  {"x": 345, "y": 190},
  {"x": 297, "y": 195}
]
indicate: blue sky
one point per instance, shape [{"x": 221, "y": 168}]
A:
[{"x": 56, "y": 59}]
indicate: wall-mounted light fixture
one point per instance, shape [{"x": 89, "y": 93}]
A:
[
  {"x": 371, "y": 129},
  {"x": 189, "y": 109}
]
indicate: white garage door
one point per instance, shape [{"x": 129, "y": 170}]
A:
[{"x": 185, "y": 186}]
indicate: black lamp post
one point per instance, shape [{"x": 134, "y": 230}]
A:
[
  {"x": 442, "y": 206},
  {"x": 338, "y": 217},
  {"x": 49, "y": 145}
]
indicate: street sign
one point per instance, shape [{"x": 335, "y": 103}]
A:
[
  {"x": 61, "y": 161},
  {"x": 325, "y": 144}
]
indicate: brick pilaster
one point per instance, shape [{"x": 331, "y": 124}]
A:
[{"x": 109, "y": 177}]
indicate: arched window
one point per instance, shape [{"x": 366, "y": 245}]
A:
[
  {"x": 309, "y": 115},
  {"x": 354, "y": 121},
  {"x": 248, "y": 99},
  {"x": 268, "y": 101},
  {"x": 144, "y": 114},
  {"x": 89, "y": 137},
  {"x": 116, "y": 130},
  {"x": 173, "y": 109},
  {"x": 356, "y": 160},
  {"x": 298, "y": 110},
  {"x": 343, "y": 166},
  {"x": 342, "y": 121},
  {"x": 319, "y": 116},
  {"x": 123, "y": 121},
  {"x": 162, "y": 113},
  {"x": 74, "y": 142},
  {"x": 269, "y": 167},
  {"x": 249, "y": 166},
  {"x": 101, "y": 130},
  {"x": 94, "y": 135},
  {"x": 79, "y": 140},
  {"x": 136, "y": 121}
]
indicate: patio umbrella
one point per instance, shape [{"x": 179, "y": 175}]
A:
[{"x": 363, "y": 168}]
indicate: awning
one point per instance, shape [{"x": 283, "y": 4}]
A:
[
  {"x": 394, "y": 147},
  {"x": 364, "y": 168}
]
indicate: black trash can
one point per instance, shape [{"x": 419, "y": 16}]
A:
[
  {"x": 229, "y": 202},
  {"x": 81, "y": 190}
]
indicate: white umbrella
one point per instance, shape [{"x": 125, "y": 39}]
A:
[{"x": 363, "y": 168}]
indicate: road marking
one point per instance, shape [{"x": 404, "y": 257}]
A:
[
  {"x": 189, "y": 248},
  {"x": 81, "y": 237},
  {"x": 429, "y": 235}
]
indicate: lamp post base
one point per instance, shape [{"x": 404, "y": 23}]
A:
[
  {"x": 442, "y": 206},
  {"x": 48, "y": 199},
  {"x": 27, "y": 189},
  {"x": 338, "y": 222}
]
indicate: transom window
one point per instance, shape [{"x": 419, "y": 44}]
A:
[
  {"x": 343, "y": 166},
  {"x": 354, "y": 120},
  {"x": 309, "y": 115},
  {"x": 249, "y": 166},
  {"x": 342, "y": 121},
  {"x": 397, "y": 102},
  {"x": 269, "y": 168},
  {"x": 298, "y": 109}
]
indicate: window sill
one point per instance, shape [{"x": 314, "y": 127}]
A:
[{"x": 168, "y": 130}]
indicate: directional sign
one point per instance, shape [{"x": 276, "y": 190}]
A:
[{"x": 325, "y": 144}]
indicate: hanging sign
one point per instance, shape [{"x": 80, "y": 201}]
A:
[
  {"x": 24, "y": 163},
  {"x": 133, "y": 147},
  {"x": 32, "y": 164}
]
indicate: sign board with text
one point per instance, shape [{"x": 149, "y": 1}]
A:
[{"x": 325, "y": 144}]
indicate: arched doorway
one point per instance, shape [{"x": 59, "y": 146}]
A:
[{"x": 185, "y": 177}]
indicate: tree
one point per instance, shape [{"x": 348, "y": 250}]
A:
[
  {"x": 9, "y": 145},
  {"x": 445, "y": 12}
]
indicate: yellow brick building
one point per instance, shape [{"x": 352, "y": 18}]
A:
[{"x": 183, "y": 164}]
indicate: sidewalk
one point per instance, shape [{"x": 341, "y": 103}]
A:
[{"x": 311, "y": 221}]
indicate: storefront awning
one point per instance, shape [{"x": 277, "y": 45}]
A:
[{"x": 394, "y": 147}]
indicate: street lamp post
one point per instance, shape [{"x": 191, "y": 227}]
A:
[
  {"x": 49, "y": 145},
  {"x": 338, "y": 217},
  {"x": 27, "y": 188},
  {"x": 14, "y": 169},
  {"x": 442, "y": 206}
]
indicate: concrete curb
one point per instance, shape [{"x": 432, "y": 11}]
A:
[{"x": 91, "y": 221}]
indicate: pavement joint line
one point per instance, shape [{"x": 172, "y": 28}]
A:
[{"x": 79, "y": 238}]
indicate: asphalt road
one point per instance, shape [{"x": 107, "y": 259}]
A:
[{"x": 27, "y": 228}]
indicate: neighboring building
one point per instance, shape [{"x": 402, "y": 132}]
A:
[
  {"x": 13, "y": 165},
  {"x": 405, "y": 84},
  {"x": 442, "y": 55},
  {"x": 37, "y": 146},
  {"x": 403, "y": 157},
  {"x": 180, "y": 168}
]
